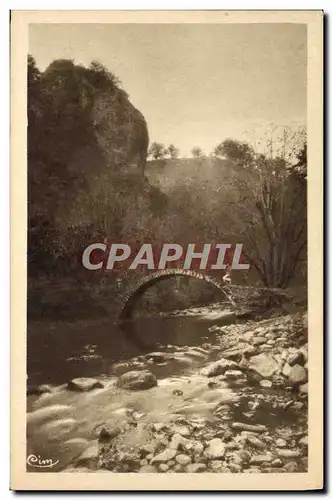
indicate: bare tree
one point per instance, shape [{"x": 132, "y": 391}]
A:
[{"x": 268, "y": 213}]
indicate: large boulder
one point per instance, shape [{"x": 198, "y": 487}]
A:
[{"x": 137, "y": 380}]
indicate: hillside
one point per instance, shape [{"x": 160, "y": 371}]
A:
[{"x": 167, "y": 173}]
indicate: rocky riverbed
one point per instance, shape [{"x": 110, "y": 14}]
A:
[{"x": 234, "y": 404}]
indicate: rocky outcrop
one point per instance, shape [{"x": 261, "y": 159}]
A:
[{"x": 102, "y": 122}]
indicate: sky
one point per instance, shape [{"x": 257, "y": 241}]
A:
[{"x": 196, "y": 84}]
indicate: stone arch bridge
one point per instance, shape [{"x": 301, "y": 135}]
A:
[
  {"x": 137, "y": 289},
  {"x": 237, "y": 296}
]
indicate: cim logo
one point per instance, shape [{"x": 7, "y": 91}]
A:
[{"x": 41, "y": 463}]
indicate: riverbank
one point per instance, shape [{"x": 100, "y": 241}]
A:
[{"x": 235, "y": 403}]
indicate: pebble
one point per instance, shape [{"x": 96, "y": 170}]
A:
[
  {"x": 233, "y": 374},
  {"x": 234, "y": 468},
  {"x": 281, "y": 443},
  {"x": 303, "y": 388},
  {"x": 163, "y": 467},
  {"x": 277, "y": 463},
  {"x": 298, "y": 374},
  {"x": 286, "y": 453},
  {"x": 239, "y": 426},
  {"x": 217, "y": 466},
  {"x": 164, "y": 456},
  {"x": 183, "y": 459},
  {"x": 304, "y": 441},
  {"x": 291, "y": 467},
  {"x": 215, "y": 448},
  {"x": 183, "y": 431},
  {"x": 219, "y": 367},
  {"x": 296, "y": 358},
  {"x": 196, "y": 468},
  {"x": 178, "y": 441},
  {"x": 148, "y": 468},
  {"x": 84, "y": 384},
  {"x": 259, "y": 341},
  {"x": 265, "y": 383},
  {"x": 260, "y": 459},
  {"x": 254, "y": 441},
  {"x": 158, "y": 426},
  {"x": 198, "y": 448}
]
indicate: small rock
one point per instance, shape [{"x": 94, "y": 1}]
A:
[
  {"x": 285, "y": 453},
  {"x": 219, "y": 367},
  {"x": 148, "y": 469},
  {"x": 37, "y": 390},
  {"x": 291, "y": 467},
  {"x": 304, "y": 441},
  {"x": 183, "y": 459},
  {"x": 254, "y": 441},
  {"x": 234, "y": 467},
  {"x": 149, "y": 448},
  {"x": 298, "y": 405},
  {"x": 264, "y": 364},
  {"x": 265, "y": 383},
  {"x": 107, "y": 434},
  {"x": 281, "y": 443},
  {"x": 240, "y": 457},
  {"x": 258, "y": 341},
  {"x": 137, "y": 380},
  {"x": 196, "y": 468},
  {"x": 183, "y": 431},
  {"x": 198, "y": 448},
  {"x": 296, "y": 358},
  {"x": 217, "y": 466},
  {"x": 215, "y": 448},
  {"x": 286, "y": 370},
  {"x": 233, "y": 374},
  {"x": 158, "y": 357},
  {"x": 277, "y": 463},
  {"x": 158, "y": 426},
  {"x": 163, "y": 467},
  {"x": 303, "y": 388},
  {"x": 239, "y": 426},
  {"x": 177, "y": 392},
  {"x": 297, "y": 375},
  {"x": 164, "y": 456},
  {"x": 84, "y": 384},
  {"x": 260, "y": 459}
]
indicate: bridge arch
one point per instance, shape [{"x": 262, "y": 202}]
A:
[{"x": 137, "y": 289}]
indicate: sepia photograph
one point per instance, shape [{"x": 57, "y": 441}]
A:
[{"x": 170, "y": 229}]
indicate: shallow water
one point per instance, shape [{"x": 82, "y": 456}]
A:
[{"x": 59, "y": 351}]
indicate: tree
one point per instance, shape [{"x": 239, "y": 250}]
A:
[
  {"x": 173, "y": 151},
  {"x": 157, "y": 150},
  {"x": 241, "y": 153},
  {"x": 268, "y": 214},
  {"x": 197, "y": 152}
]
